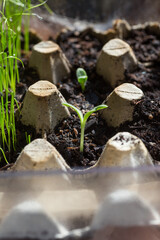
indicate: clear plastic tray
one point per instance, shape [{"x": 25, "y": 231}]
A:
[{"x": 76, "y": 195}]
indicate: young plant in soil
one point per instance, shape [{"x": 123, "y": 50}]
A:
[
  {"x": 83, "y": 119},
  {"x": 9, "y": 75},
  {"x": 28, "y": 138},
  {"x": 82, "y": 77},
  {"x": 11, "y": 13}
]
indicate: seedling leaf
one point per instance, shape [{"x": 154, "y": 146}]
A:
[
  {"x": 82, "y": 77},
  {"x": 95, "y": 109},
  {"x": 83, "y": 120},
  {"x": 79, "y": 113}
]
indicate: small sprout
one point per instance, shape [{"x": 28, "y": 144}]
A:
[
  {"x": 3, "y": 155},
  {"x": 28, "y": 138},
  {"x": 82, "y": 77},
  {"x": 83, "y": 119}
]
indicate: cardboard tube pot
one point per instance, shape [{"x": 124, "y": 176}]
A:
[
  {"x": 122, "y": 28},
  {"x": 115, "y": 58},
  {"x": 121, "y": 102},
  {"x": 50, "y": 62},
  {"x": 40, "y": 155},
  {"x": 42, "y": 107},
  {"x": 125, "y": 150}
]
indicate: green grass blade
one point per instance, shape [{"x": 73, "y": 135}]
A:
[{"x": 4, "y": 155}]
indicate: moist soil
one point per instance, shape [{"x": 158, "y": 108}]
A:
[{"x": 82, "y": 50}]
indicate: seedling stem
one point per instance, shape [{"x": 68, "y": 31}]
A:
[{"x": 83, "y": 119}]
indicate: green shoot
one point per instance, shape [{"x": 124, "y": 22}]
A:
[
  {"x": 83, "y": 119},
  {"x": 82, "y": 77},
  {"x": 11, "y": 14},
  {"x": 28, "y": 138},
  {"x": 4, "y": 155}
]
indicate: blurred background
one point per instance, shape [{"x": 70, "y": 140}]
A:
[
  {"x": 105, "y": 10},
  {"x": 92, "y": 13}
]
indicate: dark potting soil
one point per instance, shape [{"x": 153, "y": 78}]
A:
[
  {"x": 146, "y": 124},
  {"x": 82, "y": 50}
]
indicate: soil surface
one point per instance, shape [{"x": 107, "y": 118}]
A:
[
  {"x": 146, "y": 124},
  {"x": 82, "y": 50}
]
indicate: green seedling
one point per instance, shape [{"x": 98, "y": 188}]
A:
[
  {"x": 83, "y": 119},
  {"x": 82, "y": 77},
  {"x": 4, "y": 155},
  {"x": 11, "y": 14},
  {"x": 28, "y": 138}
]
